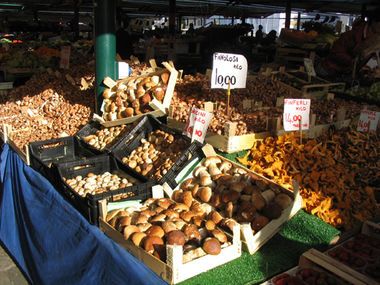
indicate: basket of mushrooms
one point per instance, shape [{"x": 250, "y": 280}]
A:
[
  {"x": 237, "y": 194},
  {"x": 157, "y": 152},
  {"x": 87, "y": 181}
]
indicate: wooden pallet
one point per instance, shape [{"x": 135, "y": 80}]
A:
[{"x": 174, "y": 270}]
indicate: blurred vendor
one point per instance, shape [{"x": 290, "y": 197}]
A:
[{"x": 359, "y": 43}]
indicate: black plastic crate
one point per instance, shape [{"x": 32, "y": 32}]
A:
[
  {"x": 44, "y": 154},
  {"x": 124, "y": 149},
  {"x": 91, "y": 128},
  {"x": 88, "y": 205}
]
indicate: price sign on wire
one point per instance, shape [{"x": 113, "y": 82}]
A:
[
  {"x": 296, "y": 114},
  {"x": 197, "y": 124},
  {"x": 368, "y": 121},
  {"x": 228, "y": 68}
]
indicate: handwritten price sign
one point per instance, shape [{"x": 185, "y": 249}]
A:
[
  {"x": 368, "y": 121},
  {"x": 296, "y": 111},
  {"x": 229, "y": 68},
  {"x": 197, "y": 124}
]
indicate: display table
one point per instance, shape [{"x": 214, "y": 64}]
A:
[{"x": 53, "y": 244}]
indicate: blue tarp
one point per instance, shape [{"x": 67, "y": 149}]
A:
[{"x": 51, "y": 242}]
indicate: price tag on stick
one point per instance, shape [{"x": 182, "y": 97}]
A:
[
  {"x": 368, "y": 121},
  {"x": 296, "y": 114},
  {"x": 197, "y": 124},
  {"x": 228, "y": 68}
]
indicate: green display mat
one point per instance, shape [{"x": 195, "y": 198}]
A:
[{"x": 279, "y": 254}]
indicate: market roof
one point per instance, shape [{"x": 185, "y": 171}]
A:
[{"x": 237, "y": 8}]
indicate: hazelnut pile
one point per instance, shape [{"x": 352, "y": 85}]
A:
[
  {"x": 156, "y": 154},
  {"x": 47, "y": 107},
  {"x": 105, "y": 136},
  {"x": 162, "y": 221},
  {"x": 233, "y": 193},
  {"x": 132, "y": 96},
  {"x": 96, "y": 184}
]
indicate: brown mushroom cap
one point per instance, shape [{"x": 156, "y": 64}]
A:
[
  {"x": 215, "y": 217},
  {"x": 238, "y": 186},
  {"x": 155, "y": 231},
  {"x": 205, "y": 180},
  {"x": 187, "y": 198},
  {"x": 258, "y": 201},
  {"x": 204, "y": 193},
  {"x": 272, "y": 211},
  {"x": 219, "y": 235},
  {"x": 164, "y": 203},
  {"x": 211, "y": 246},
  {"x": 191, "y": 232},
  {"x": 144, "y": 227},
  {"x": 137, "y": 238},
  {"x": 168, "y": 226},
  {"x": 129, "y": 230},
  {"x": 177, "y": 195},
  {"x": 268, "y": 195},
  {"x": 176, "y": 237},
  {"x": 210, "y": 225},
  {"x": 150, "y": 241},
  {"x": 259, "y": 222},
  {"x": 283, "y": 200}
]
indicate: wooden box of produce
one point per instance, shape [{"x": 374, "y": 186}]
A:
[
  {"x": 238, "y": 195},
  {"x": 312, "y": 270},
  {"x": 302, "y": 86},
  {"x": 85, "y": 182},
  {"x": 161, "y": 234},
  {"x": 128, "y": 99},
  {"x": 157, "y": 152},
  {"x": 43, "y": 154},
  {"x": 101, "y": 139},
  {"x": 357, "y": 257}
]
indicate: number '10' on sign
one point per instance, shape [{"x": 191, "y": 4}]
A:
[{"x": 224, "y": 80}]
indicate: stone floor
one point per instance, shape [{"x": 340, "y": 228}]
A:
[{"x": 9, "y": 272}]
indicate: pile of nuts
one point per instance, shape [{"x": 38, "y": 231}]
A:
[
  {"x": 96, "y": 184},
  {"x": 132, "y": 96},
  {"x": 234, "y": 193},
  {"x": 156, "y": 154},
  {"x": 47, "y": 107},
  {"x": 162, "y": 222},
  {"x": 106, "y": 136}
]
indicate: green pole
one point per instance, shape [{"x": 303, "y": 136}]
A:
[{"x": 105, "y": 45}]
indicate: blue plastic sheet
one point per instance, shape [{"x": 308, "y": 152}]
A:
[{"x": 50, "y": 241}]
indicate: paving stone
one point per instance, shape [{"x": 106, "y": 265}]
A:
[{"x": 9, "y": 272}]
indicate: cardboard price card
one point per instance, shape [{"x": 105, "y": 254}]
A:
[
  {"x": 296, "y": 111},
  {"x": 228, "y": 68},
  {"x": 309, "y": 66},
  {"x": 197, "y": 124},
  {"x": 65, "y": 57},
  {"x": 368, "y": 121}
]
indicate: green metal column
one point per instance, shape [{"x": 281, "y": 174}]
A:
[{"x": 105, "y": 45}]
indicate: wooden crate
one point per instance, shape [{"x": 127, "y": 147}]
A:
[
  {"x": 159, "y": 109},
  {"x": 311, "y": 260},
  {"x": 6, "y": 137},
  {"x": 309, "y": 90},
  {"x": 253, "y": 242},
  {"x": 369, "y": 228},
  {"x": 174, "y": 270}
]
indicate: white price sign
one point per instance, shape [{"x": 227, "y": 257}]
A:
[
  {"x": 229, "y": 68},
  {"x": 368, "y": 121},
  {"x": 123, "y": 68},
  {"x": 197, "y": 124},
  {"x": 296, "y": 111}
]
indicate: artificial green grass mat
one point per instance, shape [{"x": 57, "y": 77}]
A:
[{"x": 280, "y": 253}]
